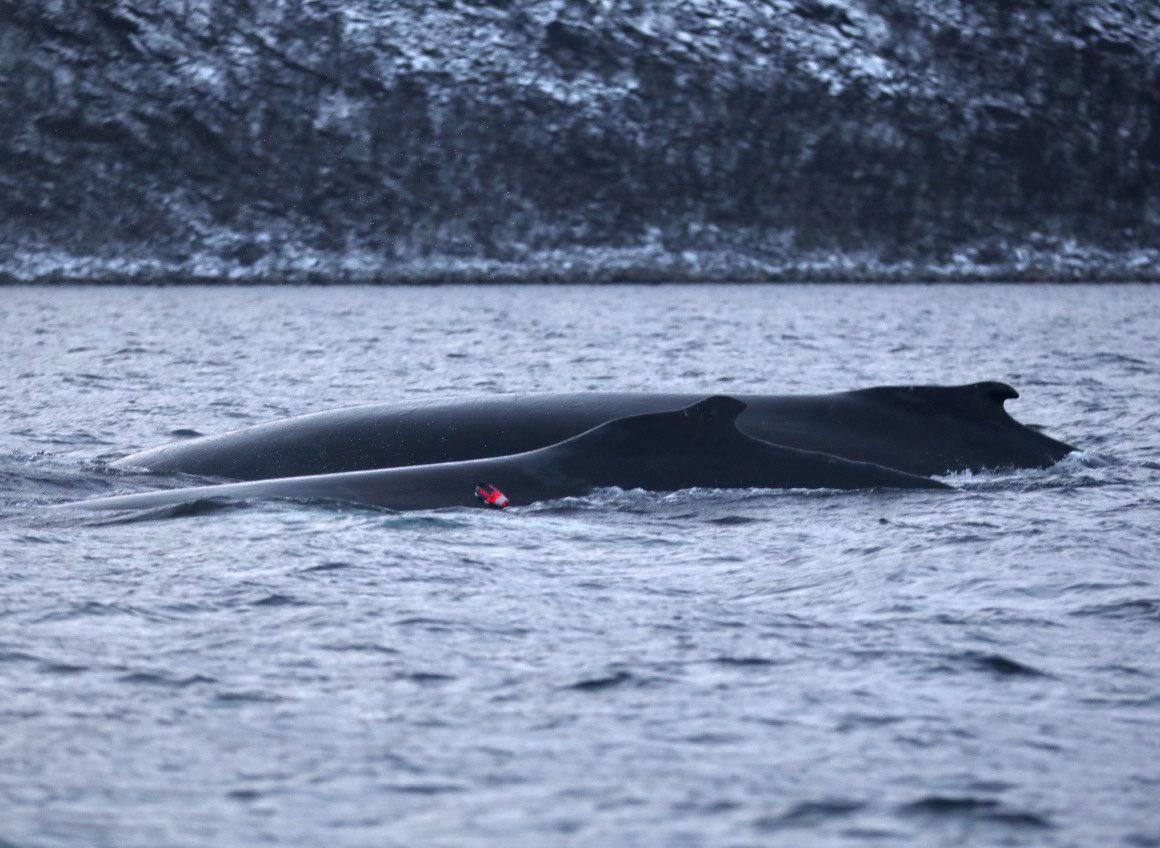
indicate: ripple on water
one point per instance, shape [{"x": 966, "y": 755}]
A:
[
  {"x": 973, "y": 809},
  {"x": 810, "y": 814},
  {"x": 327, "y": 567},
  {"x": 997, "y": 665},
  {"x": 610, "y": 681},
  {"x": 164, "y": 679},
  {"x": 1134, "y": 609}
]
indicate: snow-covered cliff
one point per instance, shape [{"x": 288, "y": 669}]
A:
[{"x": 559, "y": 139}]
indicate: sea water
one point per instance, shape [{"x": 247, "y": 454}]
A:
[{"x": 698, "y": 668}]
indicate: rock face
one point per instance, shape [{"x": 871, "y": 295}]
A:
[{"x": 579, "y": 139}]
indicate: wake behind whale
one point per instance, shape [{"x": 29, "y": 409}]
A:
[{"x": 697, "y": 446}]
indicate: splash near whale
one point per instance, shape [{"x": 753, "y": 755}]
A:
[
  {"x": 697, "y": 446},
  {"x": 921, "y": 430}
]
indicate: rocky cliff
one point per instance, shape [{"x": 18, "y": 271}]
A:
[{"x": 579, "y": 139}]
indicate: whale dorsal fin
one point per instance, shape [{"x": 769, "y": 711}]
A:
[
  {"x": 714, "y": 416},
  {"x": 992, "y": 390},
  {"x": 984, "y": 399},
  {"x": 714, "y": 411}
]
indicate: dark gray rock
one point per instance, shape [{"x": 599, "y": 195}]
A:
[{"x": 561, "y": 139}]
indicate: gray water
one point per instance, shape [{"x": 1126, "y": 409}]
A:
[{"x": 724, "y": 669}]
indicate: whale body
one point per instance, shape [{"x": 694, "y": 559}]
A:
[
  {"x": 917, "y": 429},
  {"x": 698, "y": 446}
]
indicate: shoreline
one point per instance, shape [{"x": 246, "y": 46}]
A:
[{"x": 568, "y": 267}]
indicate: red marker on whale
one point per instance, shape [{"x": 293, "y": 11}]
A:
[{"x": 491, "y": 496}]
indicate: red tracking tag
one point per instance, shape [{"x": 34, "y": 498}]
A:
[{"x": 491, "y": 496}]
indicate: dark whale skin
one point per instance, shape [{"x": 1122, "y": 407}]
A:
[
  {"x": 699, "y": 446},
  {"x": 918, "y": 429}
]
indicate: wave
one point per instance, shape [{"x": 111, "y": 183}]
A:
[{"x": 968, "y": 808}]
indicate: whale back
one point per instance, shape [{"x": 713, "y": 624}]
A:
[
  {"x": 701, "y": 445},
  {"x": 661, "y": 451},
  {"x": 919, "y": 429},
  {"x": 698, "y": 445}
]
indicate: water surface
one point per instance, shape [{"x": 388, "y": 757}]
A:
[{"x": 736, "y": 668}]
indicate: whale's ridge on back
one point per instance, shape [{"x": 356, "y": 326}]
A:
[
  {"x": 716, "y": 409},
  {"x": 715, "y": 415}
]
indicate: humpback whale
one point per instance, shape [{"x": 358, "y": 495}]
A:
[
  {"x": 698, "y": 446},
  {"x": 917, "y": 429}
]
